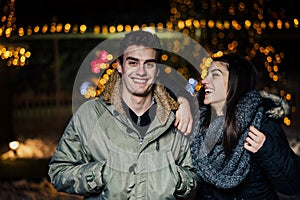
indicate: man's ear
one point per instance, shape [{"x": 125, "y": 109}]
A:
[
  {"x": 119, "y": 66},
  {"x": 158, "y": 71}
]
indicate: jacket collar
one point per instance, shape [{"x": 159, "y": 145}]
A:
[{"x": 160, "y": 95}]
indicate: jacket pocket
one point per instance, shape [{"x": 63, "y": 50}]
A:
[
  {"x": 117, "y": 178},
  {"x": 162, "y": 175}
]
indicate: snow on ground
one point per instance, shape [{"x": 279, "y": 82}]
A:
[{"x": 32, "y": 190}]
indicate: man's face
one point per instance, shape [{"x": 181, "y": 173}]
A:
[{"x": 138, "y": 70}]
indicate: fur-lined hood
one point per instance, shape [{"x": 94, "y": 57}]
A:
[{"x": 276, "y": 107}]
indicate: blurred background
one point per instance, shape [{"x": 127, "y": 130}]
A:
[{"x": 43, "y": 44}]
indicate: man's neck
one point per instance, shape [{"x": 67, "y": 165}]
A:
[{"x": 138, "y": 104}]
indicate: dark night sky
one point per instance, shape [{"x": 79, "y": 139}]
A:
[
  {"x": 91, "y": 12},
  {"x": 120, "y": 11}
]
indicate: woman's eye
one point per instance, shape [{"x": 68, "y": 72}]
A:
[{"x": 215, "y": 74}]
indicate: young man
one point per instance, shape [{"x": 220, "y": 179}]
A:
[{"x": 124, "y": 145}]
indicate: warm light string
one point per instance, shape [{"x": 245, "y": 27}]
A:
[
  {"x": 56, "y": 28},
  {"x": 105, "y": 31},
  {"x": 273, "y": 58},
  {"x": 15, "y": 55}
]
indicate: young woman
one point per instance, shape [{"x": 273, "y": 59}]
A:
[{"x": 239, "y": 149}]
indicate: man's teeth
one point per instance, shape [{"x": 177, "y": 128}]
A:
[{"x": 140, "y": 81}]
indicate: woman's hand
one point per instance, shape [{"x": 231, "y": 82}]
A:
[
  {"x": 184, "y": 118},
  {"x": 255, "y": 140}
]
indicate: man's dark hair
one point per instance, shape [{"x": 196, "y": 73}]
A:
[{"x": 143, "y": 38}]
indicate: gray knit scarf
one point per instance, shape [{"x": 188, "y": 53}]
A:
[{"x": 207, "y": 151}]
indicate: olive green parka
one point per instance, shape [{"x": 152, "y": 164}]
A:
[{"x": 102, "y": 156}]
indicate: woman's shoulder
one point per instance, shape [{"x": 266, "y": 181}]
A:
[
  {"x": 275, "y": 106},
  {"x": 271, "y": 126},
  {"x": 273, "y": 130}
]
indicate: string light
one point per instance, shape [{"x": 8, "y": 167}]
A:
[{"x": 14, "y": 55}]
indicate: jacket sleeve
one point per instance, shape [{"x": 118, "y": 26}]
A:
[
  {"x": 70, "y": 169},
  {"x": 189, "y": 180},
  {"x": 278, "y": 160}
]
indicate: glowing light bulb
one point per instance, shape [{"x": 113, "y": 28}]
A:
[{"x": 14, "y": 145}]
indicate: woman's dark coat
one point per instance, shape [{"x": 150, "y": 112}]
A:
[{"x": 275, "y": 168}]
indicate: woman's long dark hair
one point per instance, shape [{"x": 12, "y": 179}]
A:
[{"x": 243, "y": 78}]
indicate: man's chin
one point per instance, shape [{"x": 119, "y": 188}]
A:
[{"x": 141, "y": 93}]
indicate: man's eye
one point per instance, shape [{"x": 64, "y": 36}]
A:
[
  {"x": 132, "y": 63},
  {"x": 150, "y": 65}
]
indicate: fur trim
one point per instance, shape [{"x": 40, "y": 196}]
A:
[
  {"x": 280, "y": 108},
  {"x": 107, "y": 94},
  {"x": 113, "y": 91},
  {"x": 163, "y": 98}
]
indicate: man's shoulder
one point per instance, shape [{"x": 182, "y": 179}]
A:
[{"x": 91, "y": 106}]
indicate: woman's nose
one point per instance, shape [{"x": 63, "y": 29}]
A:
[{"x": 204, "y": 81}]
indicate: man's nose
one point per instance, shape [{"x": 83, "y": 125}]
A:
[{"x": 141, "y": 69}]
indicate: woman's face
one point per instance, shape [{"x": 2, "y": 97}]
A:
[{"x": 216, "y": 86}]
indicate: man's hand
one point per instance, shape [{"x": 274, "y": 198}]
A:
[{"x": 184, "y": 118}]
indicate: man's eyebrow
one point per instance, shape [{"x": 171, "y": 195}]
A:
[
  {"x": 132, "y": 58},
  {"x": 150, "y": 60},
  {"x": 136, "y": 59}
]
